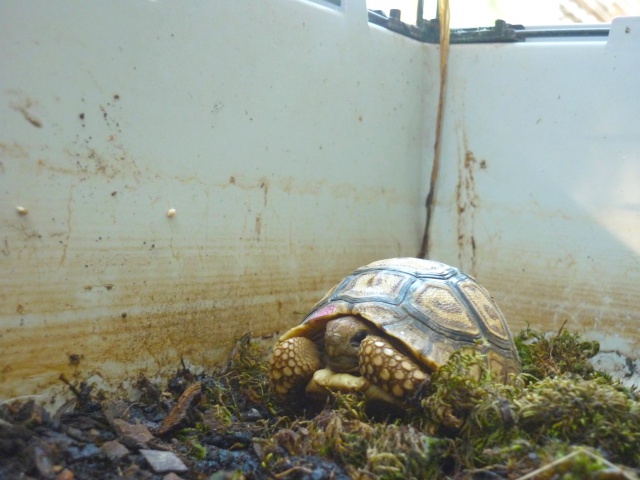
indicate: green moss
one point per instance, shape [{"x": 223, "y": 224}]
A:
[
  {"x": 544, "y": 355},
  {"x": 246, "y": 375},
  {"x": 363, "y": 447},
  {"x": 455, "y": 390},
  {"x": 507, "y": 425},
  {"x": 468, "y": 424}
]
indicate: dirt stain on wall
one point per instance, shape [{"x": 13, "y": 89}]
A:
[
  {"x": 24, "y": 106},
  {"x": 146, "y": 324},
  {"x": 467, "y": 203}
]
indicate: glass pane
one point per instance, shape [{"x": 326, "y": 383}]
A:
[
  {"x": 475, "y": 13},
  {"x": 483, "y": 13}
]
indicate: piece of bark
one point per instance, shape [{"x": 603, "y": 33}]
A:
[{"x": 179, "y": 414}]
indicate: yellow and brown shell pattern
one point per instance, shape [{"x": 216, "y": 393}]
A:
[{"x": 422, "y": 310}]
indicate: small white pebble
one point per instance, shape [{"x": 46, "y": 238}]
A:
[
  {"x": 21, "y": 210},
  {"x": 162, "y": 462},
  {"x": 171, "y": 213}
]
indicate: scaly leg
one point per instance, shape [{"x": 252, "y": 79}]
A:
[{"x": 292, "y": 364}]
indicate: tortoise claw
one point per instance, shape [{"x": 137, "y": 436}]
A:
[{"x": 325, "y": 382}]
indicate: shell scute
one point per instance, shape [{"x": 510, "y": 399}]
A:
[
  {"x": 487, "y": 308},
  {"x": 438, "y": 306},
  {"x": 384, "y": 286}
]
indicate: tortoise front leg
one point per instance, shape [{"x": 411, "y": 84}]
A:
[
  {"x": 292, "y": 364},
  {"x": 392, "y": 371}
]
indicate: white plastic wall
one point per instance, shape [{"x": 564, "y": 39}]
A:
[
  {"x": 288, "y": 136},
  {"x": 291, "y": 142}
]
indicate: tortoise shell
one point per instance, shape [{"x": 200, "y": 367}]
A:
[{"x": 429, "y": 308}]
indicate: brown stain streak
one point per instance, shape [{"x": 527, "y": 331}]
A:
[
  {"x": 23, "y": 108},
  {"x": 140, "y": 291},
  {"x": 89, "y": 161},
  {"x": 169, "y": 327},
  {"x": 467, "y": 202},
  {"x": 65, "y": 242},
  {"x": 110, "y": 167},
  {"x": 140, "y": 318},
  {"x": 258, "y": 226},
  {"x": 264, "y": 185},
  {"x": 294, "y": 186}
]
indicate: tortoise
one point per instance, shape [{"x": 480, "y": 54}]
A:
[{"x": 384, "y": 329}]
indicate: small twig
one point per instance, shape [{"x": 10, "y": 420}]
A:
[
  {"x": 561, "y": 328},
  {"x": 486, "y": 471},
  {"x": 552, "y": 343},
  {"x": 72, "y": 387},
  {"x": 297, "y": 468},
  {"x": 126, "y": 410},
  {"x": 23, "y": 397},
  {"x": 443, "y": 18},
  {"x": 4, "y": 423},
  {"x": 578, "y": 451}
]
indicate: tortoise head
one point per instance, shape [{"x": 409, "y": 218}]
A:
[{"x": 342, "y": 339}]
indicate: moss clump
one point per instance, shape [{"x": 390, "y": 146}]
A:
[
  {"x": 544, "y": 355},
  {"x": 515, "y": 428},
  {"x": 551, "y": 461},
  {"x": 568, "y": 410},
  {"x": 245, "y": 376},
  {"x": 469, "y": 425},
  {"x": 363, "y": 447},
  {"x": 456, "y": 389}
]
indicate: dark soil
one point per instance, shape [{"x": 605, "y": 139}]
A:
[{"x": 205, "y": 427}]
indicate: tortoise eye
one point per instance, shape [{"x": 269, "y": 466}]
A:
[{"x": 358, "y": 337}]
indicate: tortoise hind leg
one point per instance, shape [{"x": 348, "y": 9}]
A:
[{"x": 292, "y": 364}]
